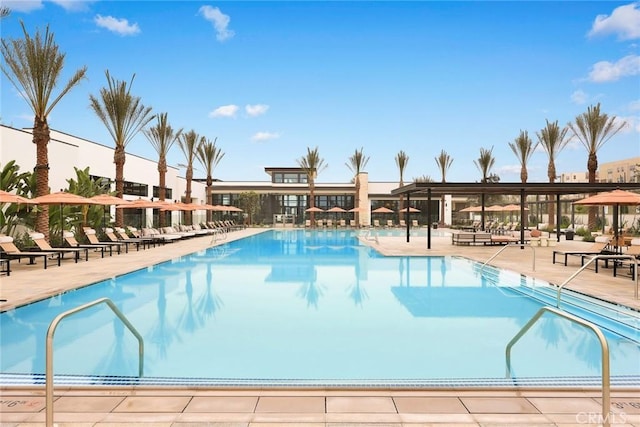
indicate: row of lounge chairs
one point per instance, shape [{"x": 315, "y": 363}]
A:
[{"x": 117, "y": 240}]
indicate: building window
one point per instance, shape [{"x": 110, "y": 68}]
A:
[
  {"x": 102, "y": 181},
  {"x": 168, "y": 192},
  {"x": 136, "y": 189},
  {"x": 289, "y": 178}
]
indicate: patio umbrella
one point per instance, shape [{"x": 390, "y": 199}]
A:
[
  {"x": 382, "y": 209},
  {"x": 141, "y": 203},
  {"x": 63, "y": 198},
  {"x": 6, "y": 197},
  {"x": 471, "y": 209},
  {"x": 314, "y": 209},
  {"x": 614, "y": 198},
  {"x": 336, "y": 210},
  {"x": 107, "y": 200},
  {"x": 409, "y": 209}
]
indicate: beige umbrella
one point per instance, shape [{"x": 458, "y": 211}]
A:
[
  {"x": 141, "y": 203},
  {"x": 314, "y": 209},
  {"x": 107, "y": 200},
  {"x": 471, "y": 209},
  {"x": 382, "y": 209},
  {"x": 6, "y": 197},
  {"x": 409, "y": 209},
  {"x": 63, "y": 198},
  {"x": 613, "y": 198}
]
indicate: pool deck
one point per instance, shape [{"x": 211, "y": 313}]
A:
[{"x": 79, "y": 406}]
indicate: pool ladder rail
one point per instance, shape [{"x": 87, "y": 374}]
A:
[{"x": 49, "y": 348}]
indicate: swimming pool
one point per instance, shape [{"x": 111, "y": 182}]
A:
[{"x": 299, "y": 307}]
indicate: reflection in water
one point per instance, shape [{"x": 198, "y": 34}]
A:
[
  {"x": 357, "y": 293},
  {"x": 187, "y": 320},
  {"x": 311, "y": 291},
  {"x": 209, "y": 302},
  {"x": 163, "y": 332}
]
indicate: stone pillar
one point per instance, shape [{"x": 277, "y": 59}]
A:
[{"x": 365, "y": 203}]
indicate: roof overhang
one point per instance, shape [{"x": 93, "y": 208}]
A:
[{"x": 512, "y": 188}]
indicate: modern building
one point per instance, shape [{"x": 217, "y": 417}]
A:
[
  {"x": 283, "y": 197},
  {"x": 627, "y": 170}
]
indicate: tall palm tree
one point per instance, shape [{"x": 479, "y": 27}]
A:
[
  {"x": 124, "y": 116},
  {"x": 523, "y": 148},
  {"x": 553, "y": 140},
  {"x": 33, "y": 66},
  {"x": 209, "y": 156},
  {"x": 189, "y": 143},
  {"x": 484, "y": 163},
  {"x": 162, "y": 137},
  {"x": 593, "y": 129},
  {"x": 444, "y": 162},
  {"x": 4, "y": 11},
  {"x": 312, "y": 164},
  {"x": 401, "y": 161},
  {"x": 357, "y": 162}
]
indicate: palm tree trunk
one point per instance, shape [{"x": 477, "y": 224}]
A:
[
  {"x": 312, "y": 201},
  {"x": 356, "y": 214},
  {"x": 187, "y": 195},
  {"x": 41, "y": 137},
  {"x": 592, "y": 167},
  {"x": 162, "y": 170},
  {"x": 208, "y": 195},
  {"x": 119, "y": 159}
]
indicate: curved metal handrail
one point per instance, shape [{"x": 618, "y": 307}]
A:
[
  {"x": 606, "y": 379},
  {"x": 595, "y": 258},
  {"x": 510, "y": 245},
  {"x": 49, "y": 347}
]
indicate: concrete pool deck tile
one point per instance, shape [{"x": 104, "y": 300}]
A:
[
  {"x": 153, "y": 404},
  {"x": 140, "y": 417},
  {"x": 70, "y": 417},
  {"x": 564, "y": 405},
  {"x": 290, "y": 404},
  {"x": 429, "y": 405},
  {"x": 231, "y": 418},
  {"x": 366, "y": 418},
  {"x": 13, "y": 403},
  {"x": 438, "y": 419},
  {"x": 498, "y": 405},
  {"x": 86, "y": 403},
  {"x": 513, "y": 419},
  {"x": 222, "y": 404},
  {"x": 288, "y": 417},
  {"x": 360, "y": 404}
]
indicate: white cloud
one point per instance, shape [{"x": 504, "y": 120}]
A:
[
  {"x": 579, "y": 97},
  {"x": 632, "y": 124},
  {"x": 264, "y": 136},
  {"x": 256, "y": 110},
  {"x": 605, "y": 71},
  {"x": 219, "y": 20},
  {"x": 510, "y": 170},
  {"x": 73, "y": 5},
  {"x": 23, "y": 5},
  {"x": 624, "y": 21},
  {"x": 224, "y": 111},
  {"x": 118, "y": 26},
  {"x": 634, "y": 105}
]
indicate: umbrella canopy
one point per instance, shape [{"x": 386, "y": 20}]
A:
[
  {"x": 336, "y": 209},
  {"x": 107, "y": 200},
  {"x": 6, "y": 197},
  {"x": 382, "y": 209},
  {"x": 513, "y": 208},
  {"x": 314, "y": 209},
  {"x": 613, "y": 198},
  {"x": 356, "y": 210},
  {"x": 181, "y": 207},
  {"x": 471, "y": 209},
  {"x": 494, "y": 208},
  {"x": 409, "y": 209},
  {"x": 63, "y": 198},
  {"x": 141, "y": 204}
]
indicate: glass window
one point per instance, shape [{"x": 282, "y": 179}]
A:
[
  {"x": 136, "y": 189},
  {"x": 168, "y": 192}
]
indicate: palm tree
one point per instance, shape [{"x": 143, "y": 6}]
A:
[
  {"x": 523, "y": 148},
  {"x": 124, "y": 116},
  {"x": 593, "y": 129},
  {"x": 312, "y": 164},
  {"x": 33, "y": 66},
  {"x": 4, "y": 12},
  {"x": 444, "y": 162},
  {"x": 553, "y": 140},
  {"x": 484, "y": 164},
  {"x": 162, "y": 137},
  {"x": 189, "y": 143},
  {"x": 401, "y": 161},
  {"x": 357, "y": 162},
  {"x": 209, "y": 156}
]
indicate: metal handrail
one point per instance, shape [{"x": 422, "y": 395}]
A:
[
  {"x": 606, "y": 384},
  {"x": 216, "y": 232},
  {"x": 49, "y": 348},
  {"x": 595, "y": 258},
  {"x": 508, "y": 245}
]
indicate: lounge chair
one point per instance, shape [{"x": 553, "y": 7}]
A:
[
  {"x": 92, "y": 237},
  {"x": 121, "y": 233},
  {"x": 10, "y": 251},
  {"x": 343, "y": 223},
  {"x": 390, "y": 223},
  {"x": 352, "y": 223},
  {"x": 109, "y": 232},
  {"x": 598, "y": 248},
  {"x": 414, "y": 223},
  {"x": 70, "y": 240},
  {"x": 376, "y": 223},
  {"x": 43, "y": 245},
  {"x": 403, "y": 223}
]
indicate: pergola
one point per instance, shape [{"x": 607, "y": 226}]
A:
[{"x": 438, "y": 189}]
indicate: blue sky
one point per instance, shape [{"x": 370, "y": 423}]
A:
[{"x": 269, "y": 79}]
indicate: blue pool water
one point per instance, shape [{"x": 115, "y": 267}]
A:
[{"x": 318, "y": 307}]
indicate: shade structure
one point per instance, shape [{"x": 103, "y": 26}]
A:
[
  {"x": 141, "y": 203},
  {"x": 181, "y": 207},
  {"x": 314, "y": 209},
  {"x": 107, "y": 200},
  {"x": 359, "y": 210},
  {"x": 471, "y": 209},
  {"x": 382, "y": 209},
  {"x": 513, "y": 208},
  {"x": 614, "y": 198},
  {"x": 409, "y": 209},
  {"x": 62, "y": 198},
  {"x": 336, "y": 209},
  {"x": 6, "y": 197},
  {"x": 494, "y": 208}
]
